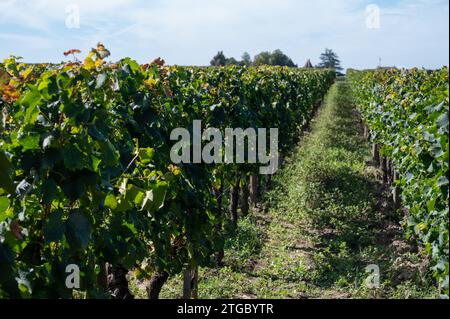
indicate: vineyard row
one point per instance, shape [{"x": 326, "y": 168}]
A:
[{"x": 86, "y": 177}]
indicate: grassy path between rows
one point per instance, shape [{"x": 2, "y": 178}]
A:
[{"x": 324, "y": 221}]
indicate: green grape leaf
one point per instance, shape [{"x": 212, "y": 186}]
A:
[
  {"x": 78, "y": 229},
  {"x": 54, "y": 228}
]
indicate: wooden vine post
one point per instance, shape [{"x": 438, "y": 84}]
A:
[
  {"x": 245, "y": 193},
  {"x": 190, "y": 283},
  {"x": 396, "y": 194},
  {"x": 366, "y": 132},
  {"x": 376, "y": 153},
  {"x": 254, "y": 190},
  {"x": 234, "y": 202},
  {"x": 383, "y": 166}
]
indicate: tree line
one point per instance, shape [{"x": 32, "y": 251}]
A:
[{"x": 328, "y": 60}]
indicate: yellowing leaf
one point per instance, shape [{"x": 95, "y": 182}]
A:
[
  {"x": 89, "y": 62},
  {"x": 98, "y": 63},
  {"x": 26, "y": 73},
  {"x": 151, "y": 82},
  {"x": 175, "y": 170}
]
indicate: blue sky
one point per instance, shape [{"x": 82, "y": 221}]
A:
[{"x": 189, "y": 32}]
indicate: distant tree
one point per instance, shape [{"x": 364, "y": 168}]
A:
[
  {"x": 262, "y": 59},
  {"x": 277, "y": 57},
  {"x": 330, "y": 60},
  {"x": 246, "y": 59},
  {"x": 232, "y": 61},
  {"x": 219, "y": 59},
  {"x": 281, "y": 59}
]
